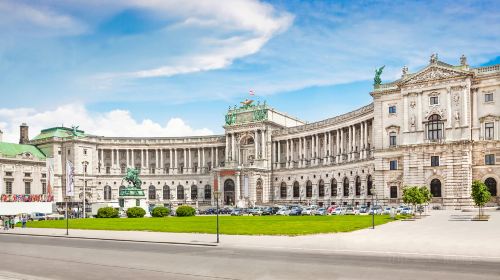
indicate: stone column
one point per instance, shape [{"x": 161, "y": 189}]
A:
[
  {"x": 199, "y": 161},
  {"x": 157, "y": 161},
  {"x": 216, "y": 157},
  {"x": 147, "y": 159},
  {"x": 465, "y": 110},
  {"x": 171, "y": 159},
  {"x": 256, "y": 143},
  {"x": 342, "y": 140},
  {"x": 237, "y": 190},
  {"x": 325, "y": 148},
  {"x": 233, "y": 152},
  {"x": 190, "y": 162},
  {"x": 185, "y": 160},
  {"x": 175, "y": 162},
  {"x": 212, "y": 156},
  {"x": 228, "y": 139},
  {"x": 263, "y": 144},
  {"x": 162, "y": 163},
  {"x": 287, "y": 154},
  {"x": 132, "y": 155},
  {"x": 279, "y": 154},
  {"x": 448, "y": 108},
  {"x": 203, "y": 162}
]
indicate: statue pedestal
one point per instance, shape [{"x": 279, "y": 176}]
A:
[{"x": 133, "y": 197}]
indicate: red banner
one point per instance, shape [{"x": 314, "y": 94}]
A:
[{"x": 27, "y": 198}]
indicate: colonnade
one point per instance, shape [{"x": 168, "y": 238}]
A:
[
  {"x": 322, "y": 148},
  {"x": 182, "y": 160},
  {"x": 233, "y": 143}
]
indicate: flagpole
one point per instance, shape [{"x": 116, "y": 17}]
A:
[{"x": 67, "y": 218}]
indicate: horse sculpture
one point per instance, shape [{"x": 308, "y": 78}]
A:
[{"x": 132, "y": 178}]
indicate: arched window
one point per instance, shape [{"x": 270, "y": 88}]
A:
[
  {"x": 208, "y": 192},
  {"x": 346, "y": 186},
  {"x": 436, "y": 188},
  {"x": 369, "y": 184},
  {"x": 491, "y": 183},
  {"x": 358, "y": 185},
  {"x": 107, "y": 192},
  {"x": 321, "y": 188},
  {"x": 194, "y": 192},
  {"x": 296, "y": 189},
  {"x": 121, "y": 189},
  {"x": 180, "y": 192},
  {"x": 283, "y": 193},
  {"x": 309, "y": 189},
  {"x": 435, "y": 128},
  {"x": 334, "y": 187},
  {"x": 166, "y": 192},
  {"x": 152, "y": 192}
]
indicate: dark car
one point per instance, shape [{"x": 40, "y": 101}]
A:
[{"x": 267, "y": 211}]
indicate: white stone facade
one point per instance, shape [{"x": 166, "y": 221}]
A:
[{"x": 440, "y": 123}]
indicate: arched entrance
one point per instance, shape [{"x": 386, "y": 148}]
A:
[
  {"x": 259, "y": 192},
  {"x": 491, "y": 184},
  {"x": 229, "y": 196},
  {"x": 436, "y": 188}
]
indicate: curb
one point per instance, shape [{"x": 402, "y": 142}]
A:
[{"x": 113, "y": 239}]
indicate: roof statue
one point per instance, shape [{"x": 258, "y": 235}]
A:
[
  {"x": 377, "y": 81},
  {"x": 404, "y": 71},
  {"x": 247, "y": 103},
  {"x": 75, "y": 130},
  {"x": 463, "y": 60},
  {"x": 434, "y": 58}
]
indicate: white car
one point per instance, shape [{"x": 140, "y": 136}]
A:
[
  {"x": 283, "y": 212},
  {"x": 339, "y": 211},
  {"x": 386, "y": 211},
  {"x": 407, "y": 211},
  {"x": 377, "y": 210},
  {"x": 308, "y": 211}
]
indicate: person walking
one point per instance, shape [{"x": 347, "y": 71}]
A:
[
  {"x": 23, "y": 221},
  {"x": 6, "y": 223},
  {"x": 12, "y": 222}
]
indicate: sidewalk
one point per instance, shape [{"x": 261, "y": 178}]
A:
[{"x": 443, "y": 234}]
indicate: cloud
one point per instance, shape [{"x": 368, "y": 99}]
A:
[{"x": 112, "y": 123}]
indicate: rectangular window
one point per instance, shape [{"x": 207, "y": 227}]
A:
[
  {"x": 108, "y": 170},
  {"x": 44, "y": 188},
  {"x": 44, "y": 175},
  {"x": 392, "y": 109},
  {"x": 488, "y": 97},
  {"x": 27, "y": 187},
  {"x": 85, "y": 151},
  {"x": 8, "y": 173},
  {"x": 8, "y": 187},
  {"x": 489, "y": 131},
  {"x": 434, "y": 100},
  {"x": 392, "y": 139},
  {"x": 394, "y": 192},
  {"x": 434, "y": 160},
  {"x": 489, "y": 159},
  {"x": 27, "y": 174},
  {"x": 393, "y": 165}
]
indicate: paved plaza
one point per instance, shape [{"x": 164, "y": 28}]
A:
[{"x": 442, "y": 234}]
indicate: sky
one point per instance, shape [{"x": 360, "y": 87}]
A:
[{"x": 173, "y": 67}]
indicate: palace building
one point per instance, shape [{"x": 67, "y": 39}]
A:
[{"x": 437, "y": 127}]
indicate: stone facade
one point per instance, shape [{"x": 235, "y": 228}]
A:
[{"x": 438, "y": 127}]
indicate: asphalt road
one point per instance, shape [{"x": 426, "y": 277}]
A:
[{"x": 25, "y": 257}]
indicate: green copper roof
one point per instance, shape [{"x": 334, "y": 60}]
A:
[
  {"x": 12, "y": 150},
  {"x": 59, "y": 132}
]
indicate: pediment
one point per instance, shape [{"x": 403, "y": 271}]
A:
[{"x": 434, "y": 73}]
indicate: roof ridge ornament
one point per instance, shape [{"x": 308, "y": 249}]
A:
[
  {"x": 377, "y": 81},
  {"x": 434, "y": 58}
]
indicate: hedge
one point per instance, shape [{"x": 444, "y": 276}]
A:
[
  {"x": 107, "y": 212},
  {"x": 136, "y": 212},
  {"x": 160, "y": 212},
  {"x": 185, "y": 211}
]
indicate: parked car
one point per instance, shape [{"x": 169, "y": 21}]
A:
[
  {"x": 308, "y": 211},
  {"x": 257, "y": 211},
  {"x": 339, "y": 211},
  {"x": 350, "y": 211},
  {"x": 36, "y": 216},
  {"x": 377, "y": 210},
  {"x": 407, "y": 211},
  {"x": 386, "y": 211},
  {"x": 283, "y": 211},
  {"x": 295, "y": 211},
  {"x": 330, "y": 209},
  {"x": 363, "y": 210},
  {"x": 267, "y": 211},
  {"x": 237, "y": 212},
  {"x": 320, "y": 212}
]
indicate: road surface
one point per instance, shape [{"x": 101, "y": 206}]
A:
[{"x": 29, "y": 257}]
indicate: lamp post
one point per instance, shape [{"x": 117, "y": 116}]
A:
[
  {"x": 216, "y": 196},
  {"x": 85, "y": 164},
  {"x": 373, "y": 208}
]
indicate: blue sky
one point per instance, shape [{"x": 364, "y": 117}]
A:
[{"x": 168, "y": 68}]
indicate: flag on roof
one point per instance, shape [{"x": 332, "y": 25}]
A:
[{"x": 252, "y": 92}]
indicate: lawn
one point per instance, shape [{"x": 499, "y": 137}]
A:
[{"x": 237, "y": 225}]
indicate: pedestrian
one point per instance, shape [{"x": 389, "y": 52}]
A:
[
  {"x": 12, "y": 222},
  {"x": 6, "y": 223},
  {"x": 23, "y": 221}
]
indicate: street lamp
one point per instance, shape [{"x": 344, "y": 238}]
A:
[
  {"x": 216, "y": 196},
  {"x": 85, "y": 164},
  {"x": 373, "y": 208}
]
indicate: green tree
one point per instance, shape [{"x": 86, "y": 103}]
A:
[
  {"x": 426, "y": 195},
  {"x": 413, "y": 196},
  {"x": 480, "y": 195}
]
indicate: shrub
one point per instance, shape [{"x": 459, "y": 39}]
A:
[
  {"x": 160, "y": 212},
  {"x": 185, "y": 211},
  {"x": 136, "y": 212},
  {"x": 107, "y": 212}
]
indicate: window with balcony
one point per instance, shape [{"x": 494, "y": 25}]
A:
[
  {"x": 435, "y": 128},
  {"x": 434, "y": 160},
  {"x": 8, "y": 187},
  {"x": 489, "y": 159},
  {"x": 489, "y": 131},
  {"x": 27, "y": 187}
]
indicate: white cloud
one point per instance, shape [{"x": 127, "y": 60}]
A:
[{"x": 112, "y": 123}]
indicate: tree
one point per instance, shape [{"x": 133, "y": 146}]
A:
[
  {"x": 412, "y": 196},
  {"x": 426, "y": 195},
  {"x": 480, "y": 195}
]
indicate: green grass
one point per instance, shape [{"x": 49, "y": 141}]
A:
[{"x": 242, "y": 225}]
